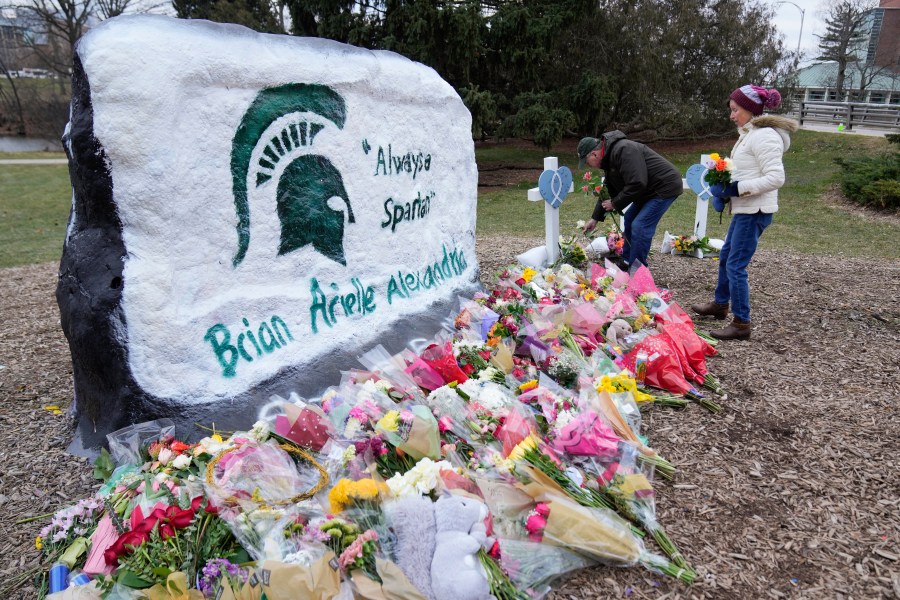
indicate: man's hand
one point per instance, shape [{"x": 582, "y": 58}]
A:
[
  {"x": 607, "y": 205},
  {"x": 590, "y": 225},
  {"x": 724, "y": 190}
]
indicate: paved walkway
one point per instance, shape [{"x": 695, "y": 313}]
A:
[
  {"x": 857, "y": 130},
  {"x": 34, "y": 161}
]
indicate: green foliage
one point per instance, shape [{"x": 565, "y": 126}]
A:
[
  {"x": 893, "y": 138},
  {"x": 483, "y": 107},
  {"x": 103, "y": 466},
  {"x": 538, "y": 116},
  {"x": 255, "y": 14},
  {"x": 884, "y": 193},
  {"x": 872, "y": 180}
]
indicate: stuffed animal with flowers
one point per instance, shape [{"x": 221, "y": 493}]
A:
[
  {"x": 456, "y": 572},
  {"x": 617, "y": 331}
]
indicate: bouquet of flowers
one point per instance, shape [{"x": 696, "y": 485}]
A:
[
  {"x": 691, "y": 243},
  {"x": 719, "y": 170}
]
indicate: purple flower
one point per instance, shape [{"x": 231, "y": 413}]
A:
[{"x": 214, "y": 571}]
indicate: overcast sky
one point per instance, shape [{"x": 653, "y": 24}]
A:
[{"x": 787, "y": 20}]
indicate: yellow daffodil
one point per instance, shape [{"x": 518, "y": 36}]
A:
[
  {"x": 605, "y": 384},
  {"x": 528, "y": 274}
]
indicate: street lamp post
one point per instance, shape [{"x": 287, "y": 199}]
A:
[{"x": 802, "y": 15}]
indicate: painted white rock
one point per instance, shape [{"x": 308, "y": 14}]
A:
[{"x": 250, "y": 213}]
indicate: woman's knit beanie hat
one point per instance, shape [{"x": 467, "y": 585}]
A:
[{"x": 755, "y": 98}]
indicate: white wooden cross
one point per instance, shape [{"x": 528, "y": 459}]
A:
[
  {"x": 702, "y": 210},
  {"x": 695, "y": 180},
  {"x": 547, "y": 254}
]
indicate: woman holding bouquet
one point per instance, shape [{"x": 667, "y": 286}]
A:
[{"x": 757, "y": 174}]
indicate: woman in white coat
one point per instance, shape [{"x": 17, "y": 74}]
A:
[{"x": 757, "y": 174}]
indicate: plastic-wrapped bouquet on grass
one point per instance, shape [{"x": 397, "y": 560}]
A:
[{"x": 600, "y": 534}]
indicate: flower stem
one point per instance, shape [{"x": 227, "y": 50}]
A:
[
  {"x": 711, "y": 340},
  {"x": 669, "y": 547},
  {"x": 34, "y": 518},
  {"x": 660, "y": 564},
  {"x": 707, "y": 403},
  {"x": 710, "y": 382},
  {"x": 501, "y": 586},
  {"x": 665, "y": 469}
]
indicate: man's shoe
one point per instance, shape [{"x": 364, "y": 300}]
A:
[
  {"x": 711, "y": 309},
  {"x": 736, "y": 330}
]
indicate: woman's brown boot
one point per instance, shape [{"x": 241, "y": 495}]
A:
[
  {"x": 711, "y": 309},
  {"x": 736, "y": 330}
]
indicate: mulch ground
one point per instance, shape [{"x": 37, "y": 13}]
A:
[{"x": 793, "y": 491}]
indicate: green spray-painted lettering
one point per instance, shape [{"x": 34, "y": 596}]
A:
[
  {"x": 360, "y": 301},
  {"x": 411, "y": 163},
  {"x": 396, "y": 212},
  {"x": 405, "y": 285},
  {"x": 269, "y": 337}
]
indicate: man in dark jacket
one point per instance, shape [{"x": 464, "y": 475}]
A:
[{"x": 635, "y": 175}]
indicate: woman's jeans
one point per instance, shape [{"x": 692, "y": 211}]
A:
[
  {"x": 640, "y": 226},
  {"x": 740, "y": 245}
]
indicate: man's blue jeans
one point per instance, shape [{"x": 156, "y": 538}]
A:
[
  {"x": 640, "y": 226},
  {"x": 740, "y": 245}
]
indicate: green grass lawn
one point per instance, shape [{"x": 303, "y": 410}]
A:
[
  {"x": 35, "y": 202},
  {"x": 31, "y": 155},
  {"x": 34, "y": 208}
]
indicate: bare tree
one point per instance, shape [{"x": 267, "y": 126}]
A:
[
  {"x": 845, "y": 30},
  {"x": 867, "y": 72},
  {"x": 10, "y": 59},
  {"x": 64, "y": 22}
]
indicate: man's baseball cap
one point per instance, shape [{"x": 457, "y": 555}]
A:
[{"x": 585, "y": 147}]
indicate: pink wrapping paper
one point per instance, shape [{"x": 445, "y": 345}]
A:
[{"x": 587, "y": 435}]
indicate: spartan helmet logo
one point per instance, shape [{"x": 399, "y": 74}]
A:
[{"x": 310, "y": 186}]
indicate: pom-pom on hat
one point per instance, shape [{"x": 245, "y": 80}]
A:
[{"x": 755, "y": 98}]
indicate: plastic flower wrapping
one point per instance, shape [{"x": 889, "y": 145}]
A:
[{"x": 510, "y": 451}]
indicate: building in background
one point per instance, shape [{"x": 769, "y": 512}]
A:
[{"x": 874, "y": 77}]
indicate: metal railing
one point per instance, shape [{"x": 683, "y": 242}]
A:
[{"x": 851, "y": 114}]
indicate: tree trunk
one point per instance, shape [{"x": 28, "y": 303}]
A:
[{"x": 19, "y": 111}]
